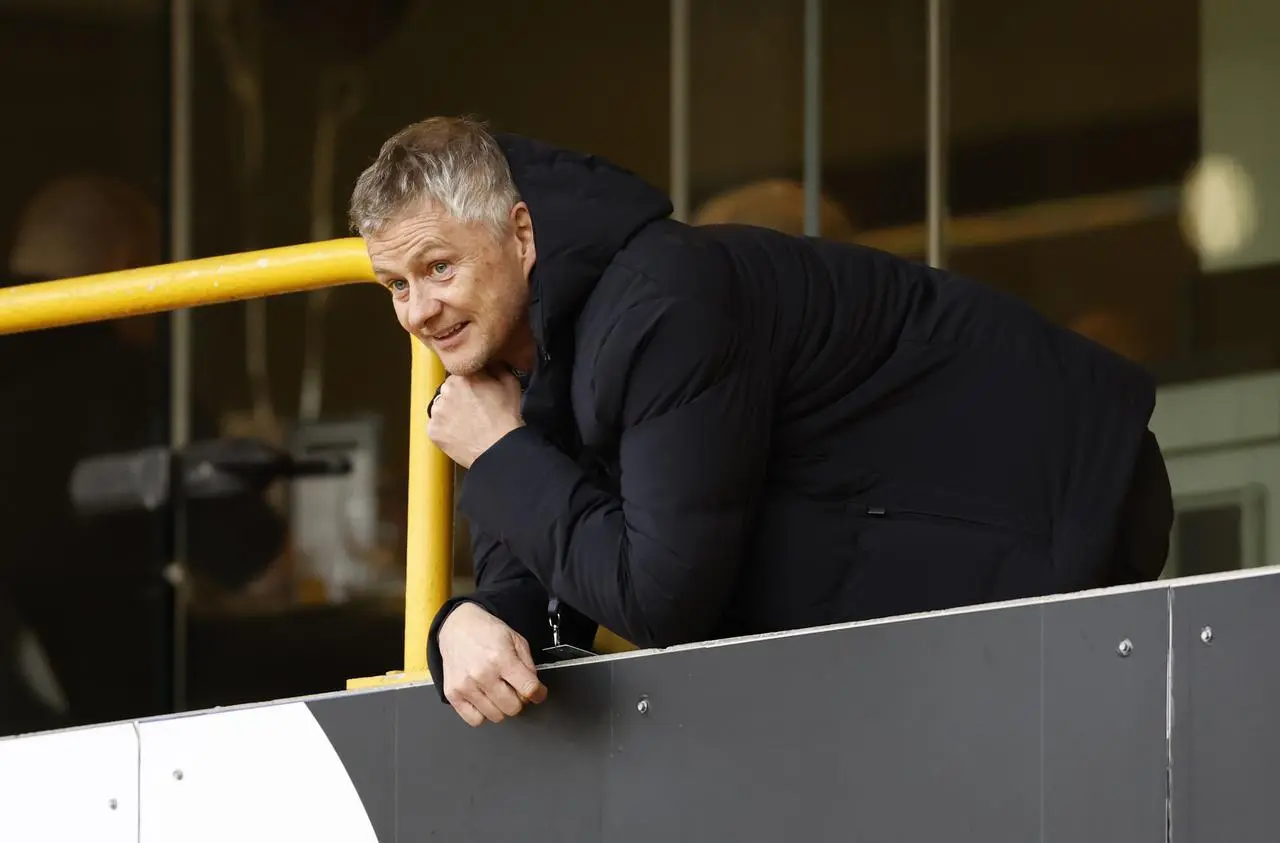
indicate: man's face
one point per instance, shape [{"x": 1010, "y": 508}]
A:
[{"x": 459, "y": 287}]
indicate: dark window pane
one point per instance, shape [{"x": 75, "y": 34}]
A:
[{"x": 84, "y": 608}]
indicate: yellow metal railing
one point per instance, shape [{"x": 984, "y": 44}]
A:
[{"x": 290, "y": 269}]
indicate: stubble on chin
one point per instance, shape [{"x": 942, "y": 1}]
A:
[{"x": 466, "y": 366}]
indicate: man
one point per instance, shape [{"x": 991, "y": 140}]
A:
[{"x": 730, "y": 430}]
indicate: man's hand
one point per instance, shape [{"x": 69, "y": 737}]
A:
[
  {"x": 472, "y": 412},
  {"x": 488, "y": 669}
]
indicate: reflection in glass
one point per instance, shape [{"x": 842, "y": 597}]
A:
[
  {"x": 746, "y": 102},
  {"x": 1070, "y": 140},
  {"x": 84, "y": 608}
]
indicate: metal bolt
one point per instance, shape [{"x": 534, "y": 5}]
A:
[
  {"x": 112, "y": 804},
  {"x": 1125, "y": 648},
  {"x": 643, "y": 705},
  {"x": 1206, "y": 635},
  {"x": 177, "y": 774}
]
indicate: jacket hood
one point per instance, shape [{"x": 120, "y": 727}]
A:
[{"x": 584, "y": 210}]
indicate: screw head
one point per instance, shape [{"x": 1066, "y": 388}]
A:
[
  {"x": 1206, "y": 635},
  {"x": 643, "y": 705},
  {"x": 112, "y": 804},
  {"x": 1125, "y": 648},
  {"x": 177, "y": 774}
]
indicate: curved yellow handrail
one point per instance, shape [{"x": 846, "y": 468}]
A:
[
  {"x": 174, "y": 286},
  {"x": 270, "y": 272}
]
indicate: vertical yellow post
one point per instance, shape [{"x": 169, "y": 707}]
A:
[{"x": 429, "y": 539}]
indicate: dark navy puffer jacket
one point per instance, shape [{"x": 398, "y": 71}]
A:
[{"x": 734, "y": 431}]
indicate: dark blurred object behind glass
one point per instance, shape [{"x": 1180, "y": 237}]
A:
[
  {"x": 1071, "y": 128},
  {"x": 84, "y": 609}
]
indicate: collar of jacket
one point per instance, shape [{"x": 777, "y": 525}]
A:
[{"x": 584, "y": 210}]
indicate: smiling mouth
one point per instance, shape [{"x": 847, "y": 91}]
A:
[{"x": 451, "y": 333}]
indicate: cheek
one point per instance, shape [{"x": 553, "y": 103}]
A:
[{"x": 508, "y": 294}]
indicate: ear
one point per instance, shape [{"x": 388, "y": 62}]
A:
[{"x": 522, "y": 226}]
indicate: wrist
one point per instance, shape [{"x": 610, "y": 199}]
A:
[
  {"x": 501, "y": 433},
  {"x": 451, "y": 624}
]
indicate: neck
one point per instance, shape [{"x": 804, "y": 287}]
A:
[{"x": 522, "y": 351}]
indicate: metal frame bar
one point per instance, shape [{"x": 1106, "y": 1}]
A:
[
  {"x": 936, "y": 144},
  {"x": 269, "y": 272},
  {"x": 813, "y": 117},
  {"x": 679, "y": 109},
  {"x": 180, "y": 207},
  {"x": 181, "y": 79}
]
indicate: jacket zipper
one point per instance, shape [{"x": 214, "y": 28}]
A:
[{"x": 925, "y": 515}]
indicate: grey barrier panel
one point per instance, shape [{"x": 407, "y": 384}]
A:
[
  {"x": 362, "y": 730},
  {"x": 1226, "y": 711},
  {"x": 535, "y": 777},
  {"x": 918, "y": 730},
  {"x": 1021, "y": 722},
  {"x": 1105, "y": 747}
]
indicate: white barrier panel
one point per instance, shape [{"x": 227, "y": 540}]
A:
[
  {"x": 254, "y": 775},
  {"x": 79, "y": 785}
]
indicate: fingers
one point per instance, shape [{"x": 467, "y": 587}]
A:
[
  {"x": 537, "y": 694},
  {"x": 494, "y": 703},
  {"x": 505, "y": 699},
  {"x": 439, "y": 393},
  {"x": 522, "y": 651},
  {"x": 486, "y": 706},
  {"x": 489, "y": 673},
  {"x": 497, "y": 698},
  {"x": 473, "y": 703},
  {"x": 524, "y": 679},
  {"x": 468, "y": 712}
]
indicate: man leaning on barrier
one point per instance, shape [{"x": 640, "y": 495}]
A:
[{"x": 683, "y": 433}]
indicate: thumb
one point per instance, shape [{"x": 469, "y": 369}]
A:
[
  {"x": 523, "y": 652},
  {"x": 531, "y": 687}
]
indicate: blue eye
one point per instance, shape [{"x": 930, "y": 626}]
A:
[
  {"x": 440, "y": 267},
  {"x": 399, "y": 285}
]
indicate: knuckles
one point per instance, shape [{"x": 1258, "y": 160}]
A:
[{"x": 472, "y": 681}]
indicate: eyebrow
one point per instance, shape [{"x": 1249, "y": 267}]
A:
[{"x": 422, "y": 248}]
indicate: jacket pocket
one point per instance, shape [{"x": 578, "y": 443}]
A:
[
  {"x": 910, "y": 559},
  {"x": 972, "y": 521}
]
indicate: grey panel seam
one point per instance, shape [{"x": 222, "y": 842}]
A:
[
  {"x": 1043, "y": 612},
  {"x": 605, "y": 789},
  {"x": 137, "y": 799},
  {"x": 395, "y": 769}
]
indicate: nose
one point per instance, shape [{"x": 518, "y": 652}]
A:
[{"x": 423, "y": 308}]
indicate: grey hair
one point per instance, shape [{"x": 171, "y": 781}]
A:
[{"x": 453, "y": 161}]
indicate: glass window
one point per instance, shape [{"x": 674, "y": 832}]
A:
[
  {"x": 1071, "y": 129},
  {"x": 874, "y": 124},
  {"x": 1113, "y": 164},
  {"x": 746, "y": 102},
  {"x": 84, "y": 607}
]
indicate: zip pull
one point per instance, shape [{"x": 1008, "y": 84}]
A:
[
  {"x": 553, "y": 618},
  {"x": 877, "y": 511},
  {"x": 559, "y": 652}
]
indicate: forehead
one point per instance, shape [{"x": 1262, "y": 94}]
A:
[{"x": 422, "y": 228}]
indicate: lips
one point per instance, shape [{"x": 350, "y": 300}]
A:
[{"x": 450, "y": 333}]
